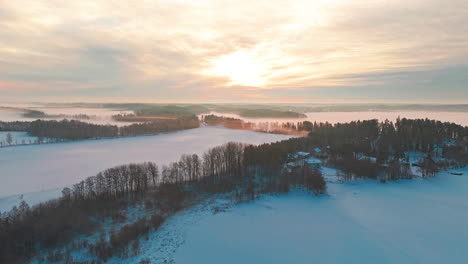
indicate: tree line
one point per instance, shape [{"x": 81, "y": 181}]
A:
[
  {"x": 25, "y": 231},
  {"x": 243, "y": 172},
  {"x": 288, "y": 128},
  {"x": 76, "y": 130}
]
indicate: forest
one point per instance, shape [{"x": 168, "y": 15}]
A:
[
  {"x": 287, "y": 128},
  {"x": 76, "y": 130},
  {"x": 237, "y": 171},
  {"x": 25, "y": 231}
]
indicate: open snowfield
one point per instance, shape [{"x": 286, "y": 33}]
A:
[
  {"x": 411, "y": 221},
  {"x": 35, "y": 168},
  {"x": 343, "y": 117}
]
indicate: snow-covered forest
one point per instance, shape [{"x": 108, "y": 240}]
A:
[{"x": 341, "y": 188}]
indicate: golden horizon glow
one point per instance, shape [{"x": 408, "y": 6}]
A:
[
  {"x": 265, "y": 49},
  {"x": 240, "y": 67}
]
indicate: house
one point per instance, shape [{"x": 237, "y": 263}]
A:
[{"x": 314, "y": 162}]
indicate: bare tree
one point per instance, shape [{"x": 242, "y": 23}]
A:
[{"x": 9, "y": 138}]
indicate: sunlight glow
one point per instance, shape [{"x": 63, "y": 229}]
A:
[{"x": 241, "y": 68}]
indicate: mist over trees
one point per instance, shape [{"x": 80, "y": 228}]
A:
[
  {"x": 287, "y": 128},
  {"x": 76, "y": 130},
  {"x": 160, "y": 126}
]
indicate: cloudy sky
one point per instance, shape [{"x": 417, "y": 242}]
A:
[{"x": 234, "y": 50}]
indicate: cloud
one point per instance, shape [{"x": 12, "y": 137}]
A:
[{"x": 164, "y": 50}]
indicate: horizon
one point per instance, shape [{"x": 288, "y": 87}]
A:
[{"x": 259, "y": 103}]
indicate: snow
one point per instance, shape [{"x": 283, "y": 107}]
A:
[
  {"x": 7, "y": 202},
  {"x": 313, "y": 160},
  {"x": 411, "y": 221},
  {"x": 36, "y": 168},
  {"x": 17, "y": 137},
  {"x": 364, "y": 157},
  {"x": 163, "y": 244}
]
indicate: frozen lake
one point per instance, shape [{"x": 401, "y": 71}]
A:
[{"x": 36, "y": 168}]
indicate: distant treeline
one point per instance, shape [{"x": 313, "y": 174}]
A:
[
  {"x": 382, "y": 107},
  {"x": 70, "y": 129},
  {"x": 160, "y": 126},
  {"x": 177, "y": 110},
  {"x": 269, "y": 113},
  {"x": 170, "y": 110},
  {"x": 75, "y": 130},
  {"x": 14, "y": 126},
  {"x": 288, "y": 128},
  {"x": 34, "y": 114}
]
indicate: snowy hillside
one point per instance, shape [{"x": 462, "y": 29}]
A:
[{"x": 411, "y": 221}]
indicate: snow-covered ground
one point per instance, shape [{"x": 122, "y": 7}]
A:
[
  {"x": 343, "y": 117},
  {"x": 364, "y": 221},
  {"x": 36, "y": 168},
  {"x": 409, "y": 221}
]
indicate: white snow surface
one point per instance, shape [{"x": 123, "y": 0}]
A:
[
  {"x": 17, "y": 136},
  {"x": 409, "y": 221},
  {"x": 35, "y": 168},
  {"x": 364, "y": 221}
]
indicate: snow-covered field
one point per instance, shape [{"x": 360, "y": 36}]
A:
[
  {"x": 36, "y": 168},
  {"x": 411, "y": 221},
  {"x": 343, "y": 117},
  {"x": 364, "y": 221}
]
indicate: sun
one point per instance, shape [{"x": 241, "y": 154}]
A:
[{"x": 240, "y": 67}]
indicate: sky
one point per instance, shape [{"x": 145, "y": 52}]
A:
[{"x": 234, "y": 51}]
